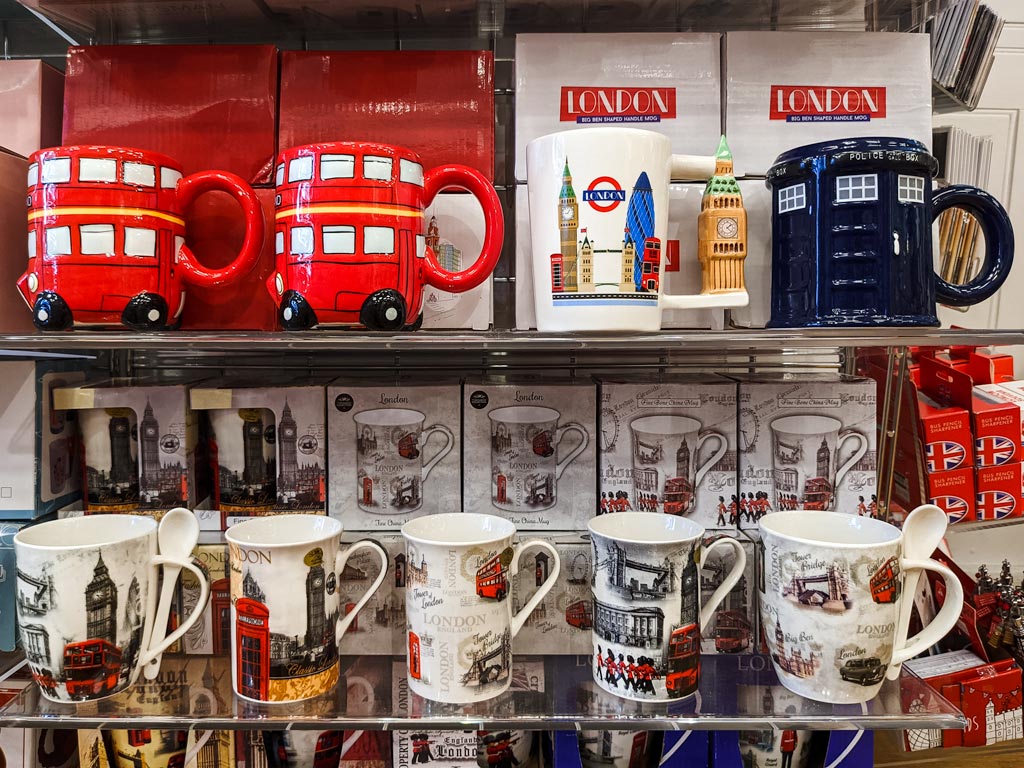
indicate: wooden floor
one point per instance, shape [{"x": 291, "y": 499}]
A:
[{"x": 889, "y": 754}]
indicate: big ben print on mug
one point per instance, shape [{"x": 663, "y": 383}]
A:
[{"x": 284, "y": 648}]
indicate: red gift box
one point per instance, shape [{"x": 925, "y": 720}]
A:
[
  {"x": 210, "y": 107},
  {"x": 998, "y": 492},
  {"x": 440, "y": 104}
]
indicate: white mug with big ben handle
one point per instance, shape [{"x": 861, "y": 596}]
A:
[
  {"x": 599, "y": 226},
  {"x": 460, "y": 570}
]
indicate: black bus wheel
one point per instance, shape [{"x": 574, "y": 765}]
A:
[
  {"x": 51, "y": 313},
  {"x": 295, "y": 312},
  {"x": 145, "y": 312},
  {"x": 383, "y": 310}
]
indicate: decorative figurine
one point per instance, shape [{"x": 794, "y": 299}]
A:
[
  {"x": 722, "y": 229},
  {"x": 851, "y": 236},
  {"x": 106, "y": 237},
  {"x": 352, "y": 246},
  {"x": 985, "y": 583}
]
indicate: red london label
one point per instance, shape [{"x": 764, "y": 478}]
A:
[
  {"x": 595, "y": 104},
  {"x": 826, "y": 103}
]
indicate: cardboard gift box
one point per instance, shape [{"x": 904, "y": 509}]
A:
[
  {"x": 529, "y": 452},
  {"x": 31, "y": 101},
  {"x": 439, "y": 104},
  {"x": 788, "y": 89},
  {"x": 15, "y": 317},
  {"x": 665, "y": 82},
  {"x": 668, "y": 444},
  {"x": 210, "y": 107}
]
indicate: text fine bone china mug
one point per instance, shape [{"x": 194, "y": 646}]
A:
[
  {"x": 87, "y": 599},
  {"x": 831, "y": 592},
  {"x": 286, "y": 618},
  {"x": 351, "y": 241},
  {"x": 106, "y": 237},
  {"x": 459, "y": 604},
  {"x": 805, "y": 460},
  {"x": 390, "y": 468},
  {"x": 525, "y": 466},
  {"x": 647, "y": 614},
  {"x": 599, "y": 224}
]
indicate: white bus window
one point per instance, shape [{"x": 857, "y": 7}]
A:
[
  {"x": 337, "y": 167},
  {"x": 301, "y": 168},
  {"x": 377, "y": 168},
  {"x": 279, "y": 242},
  {"x": 302, "y": 241},
  {"x": 139, "y": 241},
  {"x": 56, "y": 170},
  {"x": 169, "y": 178},
  {"x": 421, "y": 246},
  {"x": 32, "y": 243},
  {"x": 33, "y": 174},
  {"x": 97, "y": 169},
  {"x": 140, "y": 174},
  {"x": 378, "y": 240},
  {"x": 58, "y": 241},
  {"x": 339, "y": 238},
  {"x": 410, "y": 172},
  {"x": 179, "y": 241},
  {"x": 97, "y": 239},
  {"x": 279, "y": 175}
]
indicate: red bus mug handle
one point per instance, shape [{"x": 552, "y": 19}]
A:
[
  {"x": 707, "y": 613},
  {"x": 191, "y": 187},
  {"x": 474, "y": 182}
]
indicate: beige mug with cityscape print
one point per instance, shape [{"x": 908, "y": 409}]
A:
[
  {"x": 831, "y": 589},
  {"x": 286, "y": 617}
]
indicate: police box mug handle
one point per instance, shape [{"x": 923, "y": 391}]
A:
[
  {"x": 708, "y": 611},
  {"x": 339, "y": 565},
  {"x": 998, "y": 231},
  {"x": 191, "y": 187},
  {"x": 571, "y": 426},
  {"x": 474, "y": 182},
  {"x": 518, "y": 619},
  {"x": 858, "y": 454},
  {"x": 445, "y": 449}
]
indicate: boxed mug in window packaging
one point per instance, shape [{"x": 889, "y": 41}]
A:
[
  {"x": 668, "y": 445},
  {"x": 395, "y": 450},
  {"x": 266, "y": 450},
  {"x": 806, "y": 442},
  {"x": 529, "y": 447}
]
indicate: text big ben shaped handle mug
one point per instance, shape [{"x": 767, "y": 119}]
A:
[
  {"x": 599, "y": 226},
  {"x": 106, "y": 237}
]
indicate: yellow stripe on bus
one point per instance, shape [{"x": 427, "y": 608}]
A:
[
  {"x": 89, "y": 210},
  {"x": 380, "y": 210}
]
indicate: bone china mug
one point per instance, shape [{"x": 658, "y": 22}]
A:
[
  {"x": 390, "y": 468},
  {"x": 851, "y": 236},
  {"x": 525, "y": 466},
  {"x": 647, "y": 614},
  {"x": 106, "y": 237},
  {"x": 666, "y": 449},
  {"x": 598, "y": 223},
  {"x": 286, "y": 622},
  {"x": 87, "y": 601},
  {"x": 460, "y": 568},
  {"x": 805, "y": 458},
  {"x": 831, "y": 587},
  {"x": 350, "y": 238}
]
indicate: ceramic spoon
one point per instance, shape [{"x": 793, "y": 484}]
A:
[
  {"x": 922, "y": 533},
  {"x": 176, "y": 537}
]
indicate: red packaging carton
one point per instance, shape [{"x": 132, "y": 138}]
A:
[
  {"x": 31, "y": 101},
  {"x": 440, "y": 104},
  {"x": 998, "y": 492},
  {"x": 952, "y": 491},
  {"x": 990, "y": 367},
  {"x": 945, "y": 433},
  {"x": 210, "y": 107}
]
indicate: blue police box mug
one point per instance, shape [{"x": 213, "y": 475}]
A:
[{"x": 852, "y": 236}]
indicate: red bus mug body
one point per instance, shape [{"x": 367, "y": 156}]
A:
[
  {"x": 350, "y": 239},
  {"x": 106, "y": 237}
]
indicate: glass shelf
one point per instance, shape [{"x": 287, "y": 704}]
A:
[
  {"x": 554, "y": 692},
  {"x": 509, "y": 341}
]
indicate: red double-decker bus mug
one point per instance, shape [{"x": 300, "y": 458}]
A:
[
  {"x": 106, "y": 237},
  {"x": 350, "y": 240}
]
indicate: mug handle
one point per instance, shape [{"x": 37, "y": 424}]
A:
[
  {"x": 476, "y": 184},
  {"x": 152, "y": 653},
  {"x": 445, "y": 450},
  {"x": 715, "y": 458},
  {"x": 584, "y": 440},
  {"x": 708, "y": 611},
  {"x": 998, "y": 230},
  {"x": 858, "y": 454},
  {"x": 947, "y": 617},
  {"x": 339, "y": 566},
  {"x": 191, "y": 187},
  {"x": 524, "y": 613}
]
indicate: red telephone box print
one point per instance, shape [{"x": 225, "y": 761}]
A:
[
  {"x": 502, "y": 495},
  {"x": 252, "y": 625},
  {"x": 220, "y": 600},
  {"x": 415, "y": 668},
  {"x": 367, "y": 490}
]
